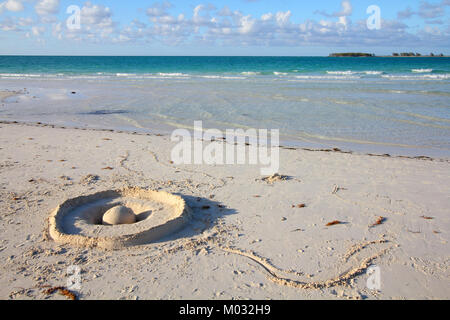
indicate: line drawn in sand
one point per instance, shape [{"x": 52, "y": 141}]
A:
[{"x": 160, "y": 214}]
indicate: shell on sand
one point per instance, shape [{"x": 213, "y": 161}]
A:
[{"x": 68, "y": 221}]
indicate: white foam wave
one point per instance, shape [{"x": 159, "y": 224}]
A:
[
  {"x": 340, "y": 72},
  {"x": 374, "y": 73},
  {"x": 174, "y": 74},
  {"x": 223, "y": 77},
  {"x": 328, "y": 77},
  {"x": 397, "y": 91},
  {"x": 349, "y": 72},
  {"x": 23, "y": 75},
  {"x": 125, "y": 74},
  {"x": 422, "y": 70},
  {"x": 418, "y": 77},
  {"x": 250, "y": 73}
]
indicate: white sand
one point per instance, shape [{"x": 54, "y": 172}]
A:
[{"x": 245, "y": 239}]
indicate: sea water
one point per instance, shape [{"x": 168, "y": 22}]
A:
[{"x": 384, "y": 105}]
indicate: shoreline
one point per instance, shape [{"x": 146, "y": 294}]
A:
[
  {"x": 284, "y": 146},
  {"x": 344, "y": 121}
]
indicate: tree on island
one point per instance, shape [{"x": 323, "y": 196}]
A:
[{"x": 352, "y": 54}]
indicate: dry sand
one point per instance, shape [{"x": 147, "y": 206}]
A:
[{"x": 248, "y": 237}]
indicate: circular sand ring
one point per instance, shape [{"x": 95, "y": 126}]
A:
[{"x": 78, "y": 221}]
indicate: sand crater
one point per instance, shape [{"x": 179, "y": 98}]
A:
[{"x": 80, "y": 221}]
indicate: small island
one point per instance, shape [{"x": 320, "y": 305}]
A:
[
  {"x": 412, "y": 54},
  {"x": 352, "y": 54},
  {"x": 394, "y": 55}
]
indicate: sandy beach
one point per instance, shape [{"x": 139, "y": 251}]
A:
[
  {"x": 225, "y": 158},
  {"x": 311, "y": 233}
]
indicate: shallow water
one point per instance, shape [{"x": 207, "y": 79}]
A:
[{"x": 387, "y": 105}]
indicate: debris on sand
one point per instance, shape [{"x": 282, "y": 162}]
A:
[
  {"x": 89, "y": 179},
  {"x": 379, "y": 221},
  {"x": 63, "y": 291},
  {"x": 275, "y": 178},
  {"x": 336, "y": 189},
  {"x": 333, "y": 223}
]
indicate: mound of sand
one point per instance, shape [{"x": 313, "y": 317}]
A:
[
  {"x": 78, "y": 221},
  {"x": 119, "y": 215}
]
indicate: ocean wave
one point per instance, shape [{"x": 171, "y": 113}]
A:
[
  {"x": 397, "y": 91},
  {"x": 250, "y": 73},
  {"x": 374, "y": 73},
  {"x": 422, "y": 70},
  {"x": 418, "y": 77},
  {"x": 280, "y": 73},
  {"x": 349, "y": 72},
  {"x": 223, "y": 77},
  {"x": 175, "y": 74},
  {"x": 24, "y": 75},
  {"x": 86, "y": 77},
  {"x": 341, "y": 72},
  {"x": 330, "y": 77},
  {"x": 125, "y": 74}
]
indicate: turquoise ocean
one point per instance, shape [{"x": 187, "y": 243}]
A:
[{"x": 383, "y": 105}]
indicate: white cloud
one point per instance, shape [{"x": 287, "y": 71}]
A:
[
  {"x": 246, "y": 25},
  {"x": 346, "y": 10},
  {"x": 12, "y": 5},
  {"x": 37, "y": 30},
  {"x": 283, "y": 17},
  {"x": 427, "y": 11},
  {"x": 226, "y": 12},
  {"x": 159, "y": 9},
  {"x": 97, "y": 25},
  {"x": 96, "y": 15},
  {"x": 47, "y": 7},
  {"x": 267, "y": 16},
  {"x": 405, "y": 14},
  {"x": 207, "y": 25},
  {"x": 432, "y": 10}
]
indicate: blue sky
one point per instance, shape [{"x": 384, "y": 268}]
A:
[{"x": 232, "y": 27}]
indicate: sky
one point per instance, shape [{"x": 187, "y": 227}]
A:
[{"x": 225, "y": 27}]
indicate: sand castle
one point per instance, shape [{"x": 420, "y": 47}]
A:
[{"x": 116, "y": 219}]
